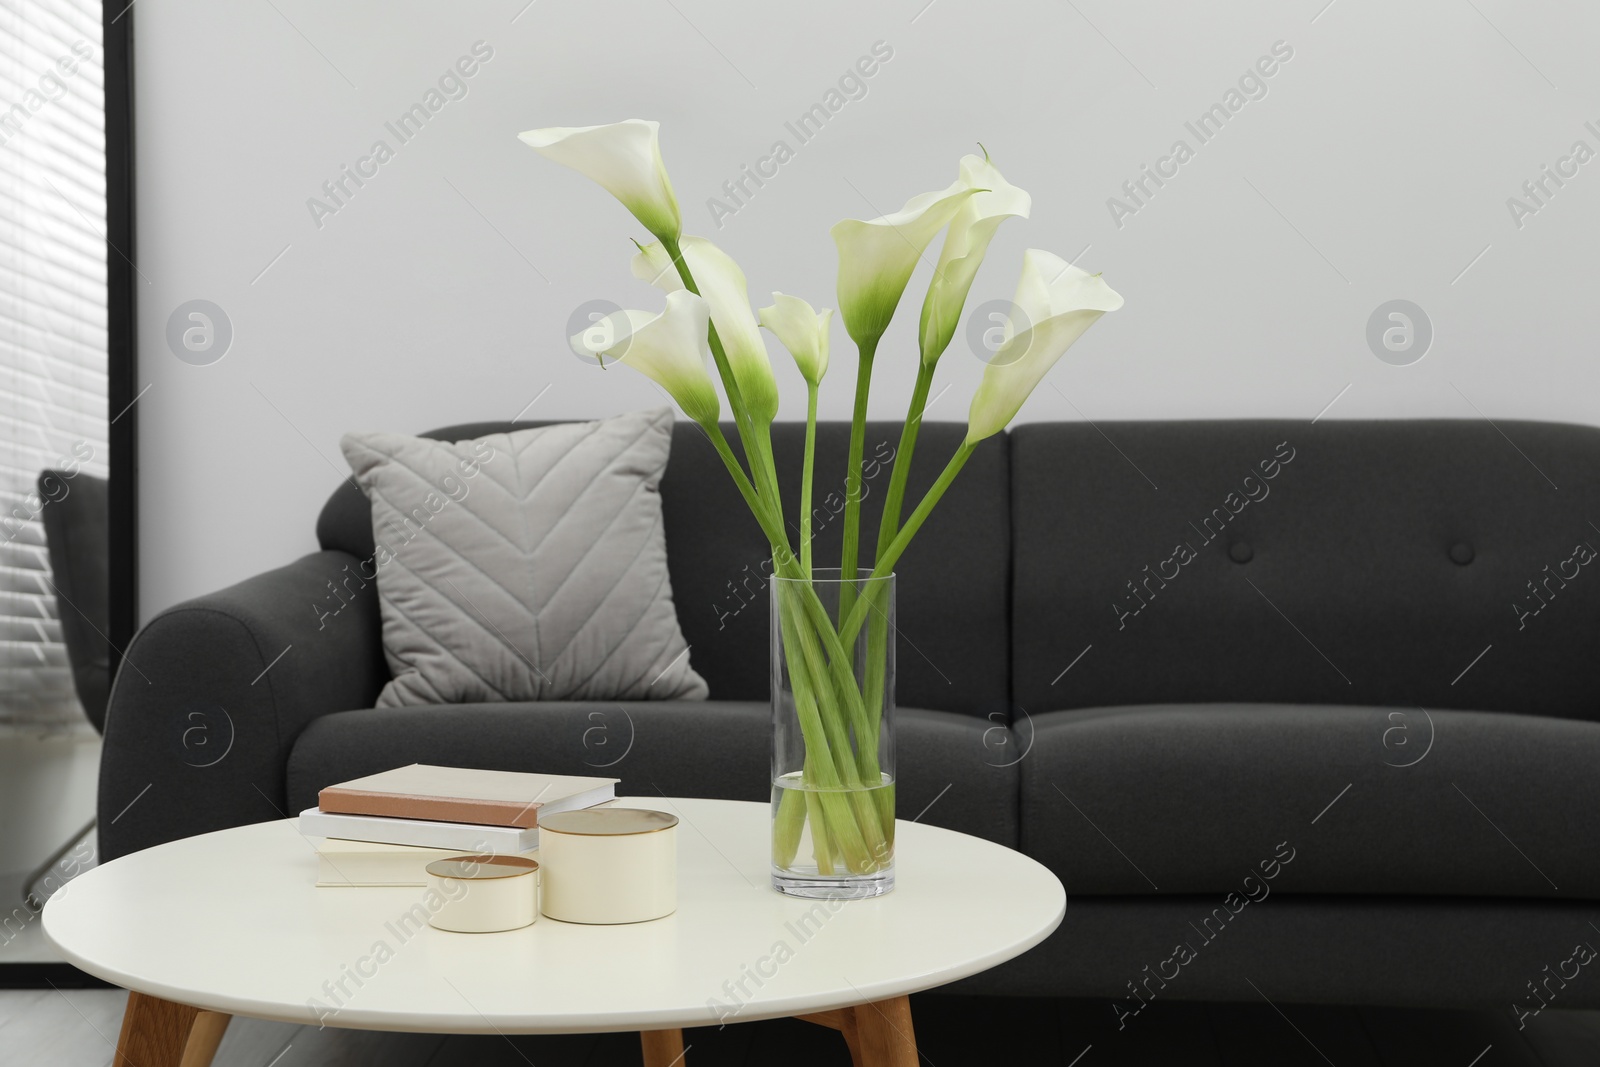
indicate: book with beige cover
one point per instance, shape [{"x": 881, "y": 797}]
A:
[
  {"x": 464, "y": 795},
  {"x": 418, "y": 833},
  {"x": 363, "y": 863}
]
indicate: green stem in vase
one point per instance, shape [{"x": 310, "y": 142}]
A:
[
  {"x": 821, "y": 837},
  {"x": 810, "y": 464},
  {"x": 852, "y": 498},
  {"x": 854, "y": 840},
  {"x": 838, "y": 663},
  {"x": 878, "y": 625},
  {"x": 853, "y": 825},
  {"x": 828, "y": 705},
  {"x": 788, "y": 824},
  {"x": 877, "y": 665},
  {"x": 822, "y": 676},
  {"x": 821, "y": 844}
]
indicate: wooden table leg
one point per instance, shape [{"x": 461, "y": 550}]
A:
[
  {"x": 852, "y": 1041},
  {"x": 159, "y": 1033},
  {"x": 878, "y": 1035},
  {"x": 662, "y": 1048},
  {"x": 884, "y": 1031},
  {"x": 204, "y": 1037}
]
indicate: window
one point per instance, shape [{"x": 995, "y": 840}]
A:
[{"x": 52, "y": 320}]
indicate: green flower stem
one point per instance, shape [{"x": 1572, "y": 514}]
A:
[
  {"x": 833, "y": 661},
  {"x": 854, "y": 829},
  {"x": 878, "y": 638},
  {"x": 757, "y": 440},
  {"x": 848, "y": 824},
  {"x": 852, "y": 499},
  {"x": 773, "y": 529},
  {"x": 821, "y": 845},
  {"x": 886, "y": 562},
  {"x": 787, "y": 566},
  {"x": 877, "y": 665},
  {"x": 855, "y": 840},
  {"x": 890, "y": 523},
  {"x": 854, "y": 822},
  {"x": 790, "y": 821},
  {"x": 806, "y": 478},
  {"x": 857, "y": 827},
  {"x": 827, "y": 691},
  {"x": 821, "y": 723},
  {"x": 838, "y": 662},
  {"x": 769, "y": 472},
  {"x": 878, "y": 626}
]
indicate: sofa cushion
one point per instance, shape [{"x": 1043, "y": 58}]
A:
[
  {"x": 1391, "y": 951},
  {"x": 954, "y": 651},
  {"x": 681, "y": 748},
  {"x": 1207, "y": 798},
  {"x": 543, "y": 572},
  {"x": 1368, "y": 562}
]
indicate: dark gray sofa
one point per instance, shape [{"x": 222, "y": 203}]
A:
[{"x": 1343, "y": 749}]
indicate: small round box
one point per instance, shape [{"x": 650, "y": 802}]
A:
[
  {"x": 484, "y": 894},
  {"x": 609, "y": 865}
]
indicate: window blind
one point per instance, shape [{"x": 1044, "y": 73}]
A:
[{"x": 52, "y": 322}]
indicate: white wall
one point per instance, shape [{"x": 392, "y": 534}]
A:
[{"x": 1378, "y": 166}]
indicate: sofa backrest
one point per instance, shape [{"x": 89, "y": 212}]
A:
[
  {"x": 953, "y": 652},
  {"x": 1437, "y": 563}
]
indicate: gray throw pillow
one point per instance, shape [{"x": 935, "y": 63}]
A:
[{"x": 525, "y": 566}]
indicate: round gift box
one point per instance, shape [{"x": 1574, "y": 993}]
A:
[
  {"x": 609, "y": 865},
  {"x": 484, "y": 894}
]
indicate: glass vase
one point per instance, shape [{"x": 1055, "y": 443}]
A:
[{"x": 832, "y": 736}]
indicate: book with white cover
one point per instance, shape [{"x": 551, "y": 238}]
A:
[
  {"x": 465, "y": 795},
  {"x": 455, "y": 836},
  {"x": 367, "y": 863}
]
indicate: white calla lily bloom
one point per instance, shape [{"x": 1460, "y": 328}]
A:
[
  {"x": 803, "y": 331},
  {"x": 877, "y": 256},
  {"x": 624, "y": 158},
  {"x": 1055, "y": 304},
  {"x": 669, "y": 348},
  {"x": 971, "y": 230},
  {"x": 722, "y": 283}
]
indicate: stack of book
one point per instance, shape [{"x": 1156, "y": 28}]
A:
[{"x": 384, "y": 829}]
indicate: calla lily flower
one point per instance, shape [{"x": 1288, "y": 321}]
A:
[
  {"x": 1055, "y": 304},
  {"x": 971, "y": 230},
  {"x": 669, "y": 348},
  {"x": 877, "y": 256},
  {"x": 803, "y": 331},
  {"x": 722, "y": 283},
  {"x": 624, "y": 158}
]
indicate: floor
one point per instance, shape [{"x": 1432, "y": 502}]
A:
[
  {"x": 22, "y": 937},
  {"x": 67, "y": 1027}
]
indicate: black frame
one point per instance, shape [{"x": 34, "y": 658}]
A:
[
  {"x": 122, "y": 387},
  {"x": 122, "y": 390}
]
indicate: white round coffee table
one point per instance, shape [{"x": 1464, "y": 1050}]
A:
[{"x": 230, "y": 923}]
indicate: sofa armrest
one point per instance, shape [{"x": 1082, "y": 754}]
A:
[{"x": 212, "y": 693}]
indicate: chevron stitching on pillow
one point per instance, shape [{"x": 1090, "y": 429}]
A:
[{"x": 541, "y": 575}]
